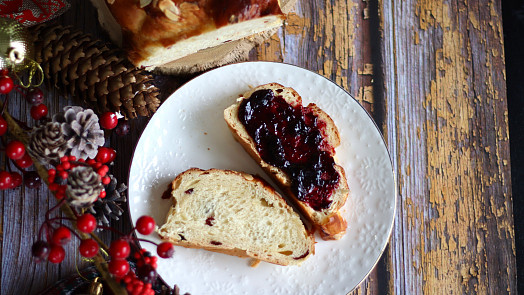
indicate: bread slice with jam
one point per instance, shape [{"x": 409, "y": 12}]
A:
[{"x": 295, "y": 145}]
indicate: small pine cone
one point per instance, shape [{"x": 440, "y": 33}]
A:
[
  {"x": 109, "y": 207},
  {"x": 47, "y": 142},
  {"x": 81, "y": 130},
  {"x": 87, "y": 68},
  {"x": 83, "y": 186}
]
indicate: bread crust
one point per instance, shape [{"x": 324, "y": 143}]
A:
[
  {"x": 329, "y": 221},
  {"x": 155, "y": 29},
  {"x": 215, "y": 246}
]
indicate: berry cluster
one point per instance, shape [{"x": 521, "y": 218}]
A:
[
  {"x": 34, "y": 96},
  {"x": 135, "y": 286},
  {"x": 146, "y": 264},
  {"x": 57, "y": 177},
  {"x": 56, "y": 237},
  {"x": 15, "y": 150}
]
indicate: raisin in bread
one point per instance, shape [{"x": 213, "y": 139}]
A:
[
  {"x": 157, "y": 32},
  {"x": 295, "y": 145},
  {"x": 237, "y": 214}
]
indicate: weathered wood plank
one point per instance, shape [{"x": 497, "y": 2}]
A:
[
  {"x": 444, "y": 88},
  {"x": 334, "y": 39}
]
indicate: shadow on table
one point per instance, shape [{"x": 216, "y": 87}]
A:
[{"x": 513, "y": 21}]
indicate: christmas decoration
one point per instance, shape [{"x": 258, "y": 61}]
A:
[
  {"x": 30, "y": 12},
  {"x": 16, "y": 48},
  {"x": 67, "y": 152},
  {"x": 83, "y": 186},
  {"x": 86, "y": 68},
  {"x": 47, "y": 142},
  {"x": 109, "y": 208},
  {"x": 16, "y": 55},
  {"x": 81, "y": 130}
]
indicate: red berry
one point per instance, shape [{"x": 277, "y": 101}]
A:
[
  {"x": 106, "y": 180},
  {"x": 146, "y": 273},
  {"x": 53, "y": 186},
  {"x": 165, "y": 250},
  {"x": 145, "y": 225},
  {"x": 15, "y": 150},
  {"x": 102, "y": 194},
  {"x": 86, "y": 223},
  {"x": 6, "y": 84},
  {"x": 66, "y": 165},
  {"x": 108, "y": 120},
  {"x": 25, "y": 161},
  {"x": 59, "y": 195},
  {"x": 32, "y": 179},
  {"x": 119, "y": 249},
  {"x": 61, "y": 236},
  {"x": 102, "y": 171},
  {"x": 40, "y": 250},
  {"x": 123, "y": 128},
  {"x": 38, "y": 111},
  {"x": 105, "y": 155},
  {"x": 118, "y": 267},
  {"x": 88, "y": 248},
  {"x": 5, "y": 180},
  {"x": 57, "y": 254},
  {"x": 16, "y": 180},
  {"x": 35, "y": 96},
  {"x": 63, "y": 174},
  {"x": 3, "y": 126}
]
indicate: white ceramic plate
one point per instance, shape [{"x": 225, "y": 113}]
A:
[{"x": 188, "y": 131}]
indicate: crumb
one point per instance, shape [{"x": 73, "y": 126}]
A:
[
  {"x": 205, "y": 133},
  {"x": 254, "y": 262},
  {"x": 208, "y": 149}
]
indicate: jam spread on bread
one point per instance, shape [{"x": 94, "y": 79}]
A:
[{"x": 290, "y": 138}]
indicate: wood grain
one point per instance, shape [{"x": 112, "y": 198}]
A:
[
  {"x": 444, "y": 90},
  {"x": 334, "y": 39}
]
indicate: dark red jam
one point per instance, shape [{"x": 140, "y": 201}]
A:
[{"x": 290, "y": 138}]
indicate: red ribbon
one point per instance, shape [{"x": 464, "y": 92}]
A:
[{"x": 31, "y": 12}]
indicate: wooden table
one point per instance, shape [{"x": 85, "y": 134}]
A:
[{"x": 432, "y": 73}]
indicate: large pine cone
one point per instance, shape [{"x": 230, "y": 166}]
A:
[
  {"x": 85, "y": 68},
  {"x": 47, "y": 142},
  {"x": 83, "y": 186}
]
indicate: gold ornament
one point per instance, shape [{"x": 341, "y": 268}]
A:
[
  {"x": 96, "y": 287},
  {"x": 16, "y": 51}
]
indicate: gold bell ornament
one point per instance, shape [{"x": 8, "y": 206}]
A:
[{"x": 16, "y": 53}]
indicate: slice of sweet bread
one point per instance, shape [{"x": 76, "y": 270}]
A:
[
  {"x": 157, "y": 32},
  {"x": 295, "y": 145},
  {"x": 235, "y": 213}
]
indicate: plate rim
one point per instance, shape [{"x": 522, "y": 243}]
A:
[{"x": 395, "y": 184}]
